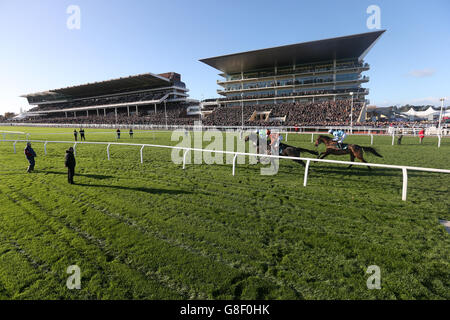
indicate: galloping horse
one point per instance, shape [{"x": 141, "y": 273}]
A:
[
  {"x": 353, "y": 149},
  {"x": 287, "y": 150}
]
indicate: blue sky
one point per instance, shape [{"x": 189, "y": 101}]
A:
[{"x": 409, "y": 64}]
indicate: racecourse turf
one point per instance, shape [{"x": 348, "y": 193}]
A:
[{"x": 156, "y": 231}]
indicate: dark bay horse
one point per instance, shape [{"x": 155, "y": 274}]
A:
[
  {"x": 352, "y": 149},
  {"x": 287, "y": 150}
]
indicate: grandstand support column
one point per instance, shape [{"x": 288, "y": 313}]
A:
[
  {"x": 165, "y": 112},
  {"x": 334, "y": 76},
  {"x": 97, "y": 113},
  {"x": 242, "y": 109},
  {"x": 128, "y": 111},
  {"x": 104, "y": 112},
  {"x": 137, "y": 111},
  {"x": 115, "y": 112},
  {"x": 87, "y": 113},
  {"x": 66, "y": 113},
  {"x": 155, "y": 108}
]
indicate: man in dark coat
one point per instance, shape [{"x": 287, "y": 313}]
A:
[
  {"x": 70, "y": 165},
  {"x": 131, "y": 133},
  {"x": 82, "y": 137},
  {"x": 75, "y": 134},
  {"x": 30, "y": 154},
  {"x": 118, "y": 133}
]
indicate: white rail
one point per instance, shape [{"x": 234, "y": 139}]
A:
[{"x": 186, "y": 151}]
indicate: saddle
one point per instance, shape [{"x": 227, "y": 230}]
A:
[{"x": 342, "y": 146}]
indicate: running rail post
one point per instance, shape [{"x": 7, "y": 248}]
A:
[
  {"x": 393, "y": 136},
  {"x": 439, "y": 140},
  {"x": 45, "y": 147},
  {"x": 287, "y": 133},
  {"x": 184, "y": 158},
  {"x": 371, "y": 139},
  {"x": 107, "y": 149},
  {"x": 405, "y": 184},
  {"x": 142, "y": 157},
  {"x": 75, "y": 148},
  {"x": 312, "y": 137},
  {"x": 15, "y": 146},
  {"x": 234, "y": 163},
  {"x": 305, "y": 179}
]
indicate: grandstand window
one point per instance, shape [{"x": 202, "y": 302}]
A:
[{"x": 347, "y": 76}]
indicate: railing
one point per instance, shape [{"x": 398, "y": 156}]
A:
[{"x": 187, "y": 150}]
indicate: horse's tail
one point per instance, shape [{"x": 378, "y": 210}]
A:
[
  {"x": 309, "y": 151},
  {"x": 372, "y": 150}
]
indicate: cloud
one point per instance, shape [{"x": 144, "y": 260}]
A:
[{"x": 427, "y": 72}]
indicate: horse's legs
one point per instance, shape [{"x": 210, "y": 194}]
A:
[
  {"x": 324, "y": 154},
  {"x": 359, "y": 155},
  {"x": 352, "y": 158},
  {"x": 301, "y": 162}
]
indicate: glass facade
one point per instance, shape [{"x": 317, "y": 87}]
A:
[{"x": 327, "y": 80}]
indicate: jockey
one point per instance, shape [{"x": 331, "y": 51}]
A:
[
  {"x": 275, "y": 141},
  {"x": 338, "y": 136}
]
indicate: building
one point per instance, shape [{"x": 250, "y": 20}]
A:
[
  {"x": 328, "y": 69},
  {"x": 133, "y": 95}
]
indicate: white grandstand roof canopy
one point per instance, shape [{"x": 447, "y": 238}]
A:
[{"x": 429, "y": 111}]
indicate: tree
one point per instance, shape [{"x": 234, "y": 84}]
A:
[{"x": 9, "y": 115}]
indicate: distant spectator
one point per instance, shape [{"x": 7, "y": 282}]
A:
[
  {"x": 118, "y": 133},
  {"x": 421, "y": 135},
  {"x": 399, "y": 139},
  {"x": 131, "y": 133},
  {"x": 70, "y": 165},
  {"x": 75, "y": 134},
  {"x": 82, "y": 137},
  {"x": 30, "y": 154}
]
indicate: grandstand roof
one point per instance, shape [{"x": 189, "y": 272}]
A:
[
  {"x": 353, "y": 46},
  {"x": 136, "y": 82}
]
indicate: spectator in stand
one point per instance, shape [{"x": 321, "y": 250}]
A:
[
  {"x": 30, "y": 154},
  {"x": 75, "y": 134},
  {"x": 70, "y": 165}
]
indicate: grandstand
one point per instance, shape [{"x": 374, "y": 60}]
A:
[
  {"x": 146, "y": 96},
  {"x": 305, "y": 72},
  {"x": 312, "y": 83}
]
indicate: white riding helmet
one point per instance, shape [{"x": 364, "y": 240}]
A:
[{"x": 330, "y": 131}]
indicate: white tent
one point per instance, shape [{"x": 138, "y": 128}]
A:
[{"x": 422, "y": 114}]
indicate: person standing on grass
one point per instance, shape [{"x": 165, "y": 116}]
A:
[
  {"x": 118, "y": 133},
  {"x": 421, "y": 135},
  {"x": 131, "y": 133},
  {"x": 82, "y": 137},
  {"x": 30, "y": 154},
  {"x": 75, "y": 134},
  {"x": 70, "y": 165}
]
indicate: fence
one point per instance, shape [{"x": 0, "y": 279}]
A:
[{"x": 187, "y": 150}]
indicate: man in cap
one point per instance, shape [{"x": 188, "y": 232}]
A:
[
  {"x": 70, "y": 165},
  {"x": 30, "y": 154}
]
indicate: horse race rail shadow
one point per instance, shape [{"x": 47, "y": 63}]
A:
[
  {"x": 93, "y": 176},
  {"x": 141, "y": 189}
]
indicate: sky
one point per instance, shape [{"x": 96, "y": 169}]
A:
[{"x": 38, "y": 52}]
